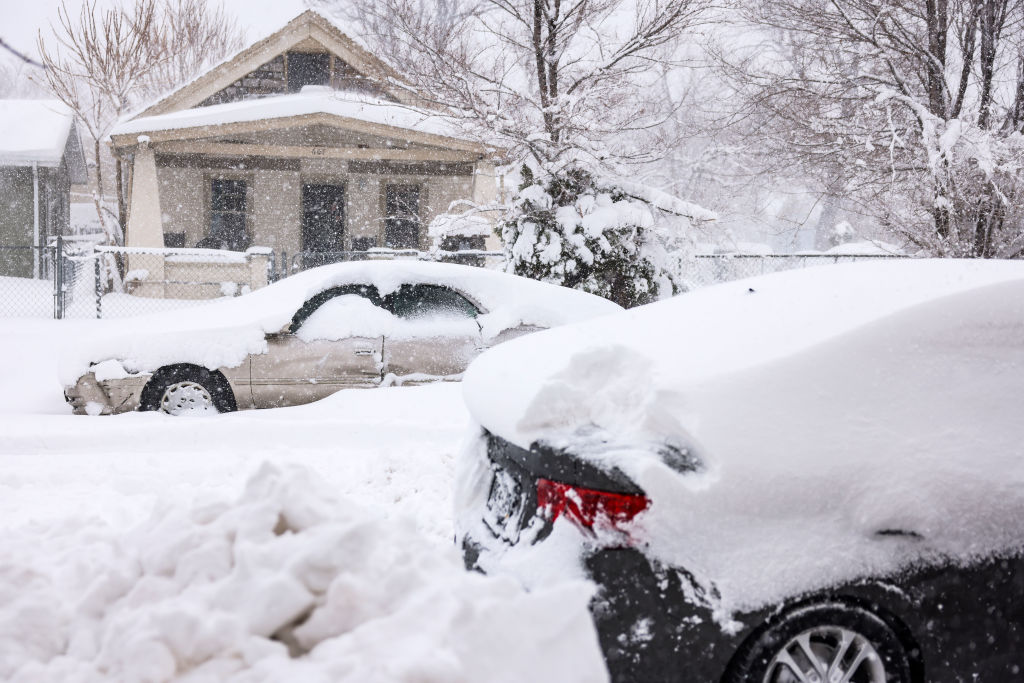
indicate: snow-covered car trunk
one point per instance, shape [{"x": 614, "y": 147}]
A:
[{"x": 780, "y": 435}]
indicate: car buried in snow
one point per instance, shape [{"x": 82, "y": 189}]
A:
[
  {"x": 814, "y": 476},
  {"x": 361, "y": 324}
]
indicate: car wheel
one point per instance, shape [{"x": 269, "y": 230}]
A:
[
  {"x": 827, "y": 643},
  {"x": 185, "y": 390}
]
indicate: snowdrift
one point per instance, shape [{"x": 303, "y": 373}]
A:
[{"x": 288, "y": 582}]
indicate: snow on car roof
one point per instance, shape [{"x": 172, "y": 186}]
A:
[
  {"x": 33, "y": 131},
  {"x": 313, "y": 100},
  {"x": 222, "y": 333},
  {"x": 827, "y": 405},
  {"x": 720, "y": 330}
]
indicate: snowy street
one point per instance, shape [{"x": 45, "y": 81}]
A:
[
  {"x": 95, "y": 509},
  {"x": 391, "y": 447}
]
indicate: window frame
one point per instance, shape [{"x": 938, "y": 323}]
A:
[
  {"x": 313, "y": 303},
  {"x": 389, "y": 300},
  {"x": 211, "y": 212}
]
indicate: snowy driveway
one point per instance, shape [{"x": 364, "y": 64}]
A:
[{"x": 122, "y": 536}]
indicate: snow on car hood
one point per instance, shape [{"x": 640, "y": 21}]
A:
[
  {"x": 826, "y": 405},
  {"x": 223, "y": 333}
]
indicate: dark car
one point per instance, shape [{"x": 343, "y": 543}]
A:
[{"x": 824, "y": 483}]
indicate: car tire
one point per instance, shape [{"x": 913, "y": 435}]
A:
[
  {"x": 176, "y": 389},
  {"x": 836, "y": 636}
]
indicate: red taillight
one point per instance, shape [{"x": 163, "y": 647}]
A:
[{"x": 588, "y": 508}]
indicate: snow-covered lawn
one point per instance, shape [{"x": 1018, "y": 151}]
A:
[{"x": 310, "y": 543}]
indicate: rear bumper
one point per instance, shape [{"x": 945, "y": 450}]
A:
[
  {"x": 108, "y": 397},
  {"x": 649, "y": 623}
]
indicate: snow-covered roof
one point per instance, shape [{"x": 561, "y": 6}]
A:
[
  {"x": 312, "y": 100},
  {"x": 222, "y": 333},
  {"x": 34, "y": 131}
]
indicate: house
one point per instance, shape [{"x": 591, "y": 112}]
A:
[
  {"x": 41, "y": 155},
  {"x": 304, "y": 144}
]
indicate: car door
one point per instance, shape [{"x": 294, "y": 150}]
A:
[
  {"x": 335, "y": 341},
  {"x": 435, "y": 335}
]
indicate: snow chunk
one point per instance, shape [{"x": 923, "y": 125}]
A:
[
  {"x": 109, "y": 369},
  {"x": 287, "y": 582}
]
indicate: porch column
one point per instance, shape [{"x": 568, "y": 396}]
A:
[
  {"x": 485, "y": 191},
  {"x": 145, "y": 227}
]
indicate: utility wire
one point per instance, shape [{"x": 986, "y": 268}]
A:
[{"x": 19, "y": 55}]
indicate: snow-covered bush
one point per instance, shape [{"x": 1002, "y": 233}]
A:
[{"x": 572, "y": 230}]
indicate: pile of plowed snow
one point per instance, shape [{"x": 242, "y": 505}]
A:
[{"x": 287, "y": 583}]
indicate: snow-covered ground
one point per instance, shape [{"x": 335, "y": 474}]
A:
[{"x": 311, "y": 543}]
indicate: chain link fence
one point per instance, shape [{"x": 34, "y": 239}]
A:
[
  {"x": 26, "y": 283},
  {"x": 70, "y": 279}
]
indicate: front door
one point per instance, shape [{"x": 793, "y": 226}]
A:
[
  {"x": 323, "y": 224},
  {"x": 402, "y": 217}
]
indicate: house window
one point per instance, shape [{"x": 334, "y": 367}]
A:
[
  {"x": 308, "y": 69},
  {"x": 227, "y": 216},
  {"x": 402, "y": 217}
]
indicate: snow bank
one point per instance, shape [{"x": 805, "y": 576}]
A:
[
  {"x": 825, "y": 405},
  {"x": 223, "y": 333},
  {"x": 287, "y": 582}
]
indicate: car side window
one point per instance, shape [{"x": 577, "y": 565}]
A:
[
  {"x": 429, "y": 301},
  {"x": 315, "y": 302}
]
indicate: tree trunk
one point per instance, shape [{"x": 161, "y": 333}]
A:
[{"x": 122, "y": 208}]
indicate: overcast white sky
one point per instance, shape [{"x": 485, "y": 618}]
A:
[{"x": 20, "y": 20}]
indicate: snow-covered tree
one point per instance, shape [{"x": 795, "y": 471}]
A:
[
  {"x": 562, "y": 88},
  {"x": 912, "y": 108}
]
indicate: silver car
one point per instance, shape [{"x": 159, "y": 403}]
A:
[{"x": 348, "y": 325}]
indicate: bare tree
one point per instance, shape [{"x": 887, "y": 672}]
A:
[
  {"x": 546, "y": 79},
  {"x": 191, "y": 35},
  {"x": 103, "y": 62},
  {"x": 563, "y": 86},
  {"x": 911, "y": 107}
]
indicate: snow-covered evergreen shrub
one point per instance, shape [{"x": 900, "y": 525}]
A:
[{"x": 571, "y": 230}]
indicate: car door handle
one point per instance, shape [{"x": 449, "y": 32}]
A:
[{"x": 364, "y": 352}]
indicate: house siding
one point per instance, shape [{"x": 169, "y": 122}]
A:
[
  {"x": 17, "y": 216},
  {"x": 275, "y": 200}
]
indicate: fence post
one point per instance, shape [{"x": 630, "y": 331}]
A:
[
  {"x": 98, "y": 284},
  {"x": 58, "y": 278}
]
